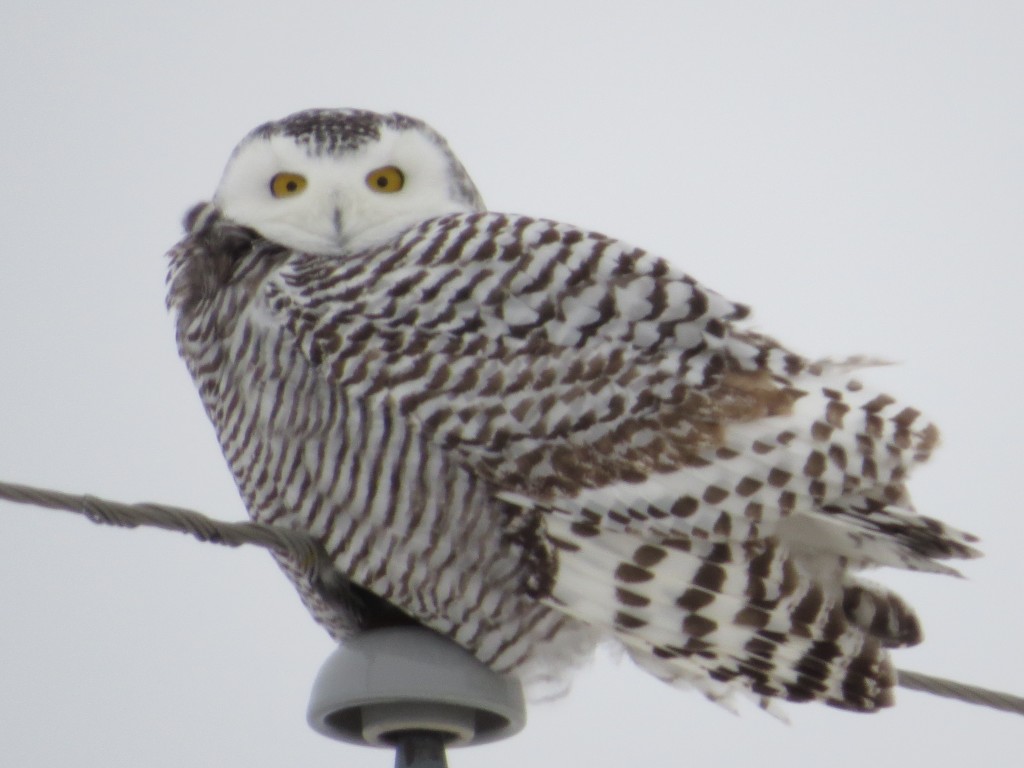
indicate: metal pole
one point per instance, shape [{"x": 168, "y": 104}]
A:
[{"x": 419, "y": 749}]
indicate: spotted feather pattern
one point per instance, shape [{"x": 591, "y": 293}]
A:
[{"x": 528, "y": 437}]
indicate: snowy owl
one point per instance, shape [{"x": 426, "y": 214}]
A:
[{"x": 531, "y": 438}]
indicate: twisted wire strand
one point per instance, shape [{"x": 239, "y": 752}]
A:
[
  {"x": 308, "y": 554},
  {"x": 950, "y": 689},
  {"x": 301, "y": 549}
]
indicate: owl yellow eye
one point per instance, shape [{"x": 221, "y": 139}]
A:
[
  {"x": 287, "y": 184},
  {"x": 386, "y": 179}
]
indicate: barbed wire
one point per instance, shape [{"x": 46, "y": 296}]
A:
[{"x": 308, "y": 555}]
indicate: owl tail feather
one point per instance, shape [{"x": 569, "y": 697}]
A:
[{"x": 730, "y": 617}]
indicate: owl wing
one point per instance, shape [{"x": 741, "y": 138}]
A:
[
  {"x": 705, "y": 489},
  {"x": 580, "y": 374}
]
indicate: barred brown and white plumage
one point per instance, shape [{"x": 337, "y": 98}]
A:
[{"x": 530, "y": 437}]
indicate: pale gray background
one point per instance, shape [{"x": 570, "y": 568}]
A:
[{"x": 851, "y": 169}]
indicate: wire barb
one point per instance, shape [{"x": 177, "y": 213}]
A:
[{"x": 306, "y": 552}]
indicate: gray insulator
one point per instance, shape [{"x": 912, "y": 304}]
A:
[{"x": 385, "y": 686}]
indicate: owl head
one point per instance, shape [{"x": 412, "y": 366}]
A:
[{"x": 329, "y": 181}]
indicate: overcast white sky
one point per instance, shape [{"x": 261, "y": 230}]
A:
[{"x": 853, "y": 170}]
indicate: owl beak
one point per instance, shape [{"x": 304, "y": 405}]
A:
[{"x": 336, "y": 219}]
